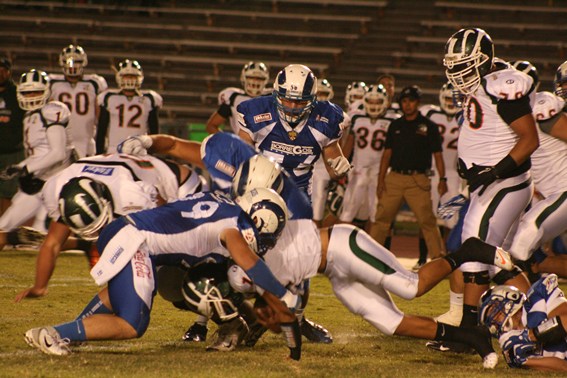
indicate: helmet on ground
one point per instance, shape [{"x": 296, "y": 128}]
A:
[
  {"x": 449, "y": 99},
  {"x": 324, "y": 90},
  {"x": 85, "y": 206},
  {"x": 497, "y": 306},
  {"x": 269, "y": 213},
  {"x": 560, "y": 82},
  {"x": 33, "y": 90},
  {"x": 468, "y": 57},
  {"x": 129, "y": 75},
  {"x": 254, "y": 77},
  {"x": 376, "y": 101},
  {"x": 73, "y": 59},
  {"x": 355, "y": 91},
  {"x": 258, "y": 172},
  {"x": 295, "y": 91}
]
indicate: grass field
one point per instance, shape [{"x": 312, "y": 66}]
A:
[{"x": 358, "y": 350}]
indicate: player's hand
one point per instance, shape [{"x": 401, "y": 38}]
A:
[
  {"x": 13, "y": 171},
  {"x": 340, "y": 165},
  {"x": 442, "y": 187},
  {"x": 137, "y": 145},
  {"x": 480, "y": 177},
  {"x": 292, "y": 335},
  {"x": 516, "y": 347},
  {"x": 32, "y": 292}
]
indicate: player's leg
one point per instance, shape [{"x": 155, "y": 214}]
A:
[{"x": 24, "y": 206}]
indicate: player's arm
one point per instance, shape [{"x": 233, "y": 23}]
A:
[
  {"x": 528, "y": 141},
  {"x": 336, "y": 163},
  {"x": 440, "y": 165},
  {"x": 153, "y": 121},
  {"x": 102, "y": 130},
  {"x": 56, "y": 138},
  {"x": 45, "y": 264},
  {"x": 245, "y": 137},
  {"x": 546, "y": 364},
  {"x": 556, "y": 126},
  {"x": 187, "y": 150},
  {"x": 214, "y": 122}
]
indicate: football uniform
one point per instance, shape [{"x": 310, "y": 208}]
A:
[
  {"x": 229, "y": 98},
  {"x": 545, "y": 219},
  {"x": 122, "y": 116},
  {"x": 484, "y": 139},
  {"x": 295, "y": 149},
  {"x": 45, "y": 135},
  {"x": 449, "y": 131},
  {"x": 360, "y": 195},
  {"x": 80, "y": 98}
]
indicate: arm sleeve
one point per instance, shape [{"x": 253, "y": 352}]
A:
[
  {"x": 510, "y": 111},
  {"x": 224, "y": 110},
  {"x": 102, "y": 130},
  {"x": 153, "y": 121}
]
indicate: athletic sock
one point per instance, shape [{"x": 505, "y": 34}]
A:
[
  {"x": 74, "y": 331},
  {"x": 470, "y": 316},
  {"x": 95, "y": 306}
]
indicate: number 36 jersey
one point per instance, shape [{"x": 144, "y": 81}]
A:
[{"x": 368, "y": 140}]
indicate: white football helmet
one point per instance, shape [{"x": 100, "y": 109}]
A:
[
  {"x": 73, "y": 59},
  {"x": 560, "y": 82},
  {"x": 254, "y": 78},
  {"x": 527, "y": 68},
  {"x": 269, "y": 213},
  {"x": 36, "y": 82},
  {"x": 497, "y": 307},
  {"x": 324, "y": 90},
  {"x": 297, "y": 86},
  {"x": 355, "y": 91},
  {"x": 85, "y": 206},
  {"x": 375, "y": 101},
  {"x": 468, "y": 57},
  {"x": 129, "y": 68},
  {"x": 447, "y": 97},
  {"x": 257, "y": 172}
]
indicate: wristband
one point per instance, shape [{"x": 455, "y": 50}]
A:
[
  {"x": 551, "y": 331},
  {"x": 505, "y": 166},
  {"x": 261, "y": 275}
]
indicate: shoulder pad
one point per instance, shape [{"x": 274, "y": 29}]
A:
[
  {"x": 547, "y": 105},
  {"x": 227, "y": 93},
  {"x": 508, "y": 84},
  {"x": 103, "y": 96},
  {"x": 427, "y": 110},
  {"x": 99, "y": 81},
  {"x": 55, "y": 112},
  {"x": 156, "y": 97},
  {"x": 56, "y": 77}
]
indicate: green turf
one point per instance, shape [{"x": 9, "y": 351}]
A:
[{"x": 358, "y": 350}]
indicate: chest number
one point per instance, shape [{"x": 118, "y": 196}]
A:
[
  {"x": 81, "y": 105},
  {"x": 133, "y": 113},
  {"x": 474, "y": 113},
  {"x": 452, "y": 144},
  {"x": 376, "y": 142}
]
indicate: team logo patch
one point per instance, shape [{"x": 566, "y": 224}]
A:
[
  {"x": 322, "y": 119},
  {"x": 289, "y": 149},
  {"x": 422, "y": 129},
  {"x": 262, "y": 117},
  {"x": 116, "y": 255},
  {"x": 226, "y": 168},
  {"x": 97, "y": 170}
]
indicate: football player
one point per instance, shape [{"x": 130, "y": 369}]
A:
[
  {"x": 254, "y": 77},
  {"x": 79, "y": 92},
  {"x": 353, "y": 97},
  {"x": 187, "y": 230},
  {"x": 87, "y": 195},
  {"x": 48, "y": 148},
  {"x": 368, "y": 132},
  {"x": 127, "y": 111},
  {"x": 531, "y": 329},
  {"x": 293, "y": 128},
  {"x": 494, "y": 147},
  {"x": 560, "y": 82}
]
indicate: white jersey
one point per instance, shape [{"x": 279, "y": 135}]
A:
[
  {"x": 228, "y": 99},
  {"x": 36, "y": 144},
  {"x": 369, "y": 137},
  {"x": 485, "y": 138},
  {"x": 80, "y": 98},
  {"x": 549, "y": 161},
  {"x": 129, "y": 193},
  {"x": 127, "y": 116}
]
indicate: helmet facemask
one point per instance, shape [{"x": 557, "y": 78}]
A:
[
  {"x": 498, "y": 307},
  {"x": 254, "y": 78},
  {"x": 449, "y": 99},
  {"x": 375, "y": 101},
  {"x": 206, "y": 297},
  {"x": 73, "y": 60},
  {"x": 33, "y": 90},
  {"x": 129, "y": 75},
  {"x": 324, "y": 90},
  {"x": 295, "y": 91},
  {"x": 560, "y": 82}
]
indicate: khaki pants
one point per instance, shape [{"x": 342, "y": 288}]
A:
[{"x": 416, "y": 191}]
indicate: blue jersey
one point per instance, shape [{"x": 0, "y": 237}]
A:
[
  {"x": 296, "y": 149},
  {"x": 223, "y": 153},
  {"x": 188, "y": 230}
]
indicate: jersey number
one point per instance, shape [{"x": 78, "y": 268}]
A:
[
  {"x": 453, "y": 142},
  {"x": 377, "y": 141},
  {"x": 81, "y": 102},
  {"x": 134, "y": 111}
]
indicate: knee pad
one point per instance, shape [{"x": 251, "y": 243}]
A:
[
  {"x": 503, "y": 276},
  {"x": 477, "y": 278}
]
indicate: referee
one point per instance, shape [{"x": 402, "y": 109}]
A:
[{"x": 410, "y": 142}]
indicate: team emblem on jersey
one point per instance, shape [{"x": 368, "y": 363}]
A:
[
  {"x": 224, "y": 167},
  {"x": 262, "y": 117},
  {"x": 290, "y": 149},
  {"x": 422, "y": 129},
  {"x": 292, "y": 134},
  {"x": 103, "y": 171},
  {"x": 322, "y": 119}
]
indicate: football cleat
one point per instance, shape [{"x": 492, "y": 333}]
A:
[
  {"x": 229, "y": 335},
  {"x": 490, "y": 361},
  {"x": 30, "y": 236},
  {"x": 315, "y": 333},
  {"x": 197, "y": 333},
  {"x": 503, "y": 259},
  {"x": 449, "y": 346},
  {"x": 252, "y": 337},
  {"x": 47, "y": 340}
]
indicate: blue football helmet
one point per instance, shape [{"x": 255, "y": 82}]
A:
[
  {"x": 497, "y": 307},
  {"x": 295, "y": 92}
]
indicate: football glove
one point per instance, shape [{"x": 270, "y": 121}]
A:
[
  {"x": 516, "y": 347},
  {"x": 340, "y": 165},
  {"x": 448, "y": 209},
  {"x": 292, "y": 335},
  {"x": 13, "y": 171},
  {"x": 481, "y": 177},
  {"x": 137, "y": 145}
]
